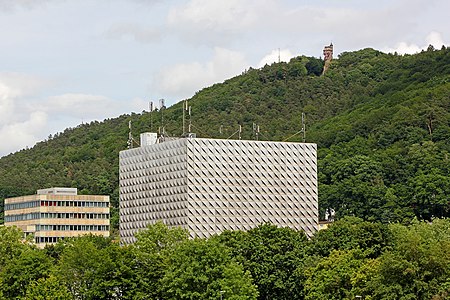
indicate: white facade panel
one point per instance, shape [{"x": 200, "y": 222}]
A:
[{"x": 209, "y": 185}]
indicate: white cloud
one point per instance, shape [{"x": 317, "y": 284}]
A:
[
  {"x": 137, "y": 32},
  {"x": 22, "y": 84},
  {"x": 21, "y": 134},
  {"x": 10, "y": 5},
  {"x": 237, "y": 22},
  {"x": 210, "y": 14},
  {"x": 27, "y": 117},
  {"x": 18, "y": 126},
  {"x": 215, "y": 22},
  {"x": 433, "y": 38},
  {"x": 136, "y": 104},
  {"x": 277, "y": 54},
  {"x": 403, "y": 48},
  {"x": 80, "y": 106},
  {"x": 14, "y": 90},
  {"x": 7, "y": 96},
  {"x": 183, "y": 80}
]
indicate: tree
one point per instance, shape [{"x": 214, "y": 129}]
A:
[
  {"x": 11, "y": 244},
  {"x": 21, "y": 270},
  {"x": 331, "y": 277},
  {"x": 429, "y": 195},
  {"x": 47, "y": 288},
  {"x": 152, "y": 250},
  {"x": 273, "y": 256},
  {"x": 418, "y": 264},
  {"x": 90, "y": 267},
  {"x": 314, "y": 66},
  {"x": 351, "y": 233},
  {"x": 355, "y": 187},
  {"x": 204, "y": 269}
]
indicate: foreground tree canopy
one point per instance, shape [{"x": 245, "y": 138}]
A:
[{"x": 351, "y": 258}]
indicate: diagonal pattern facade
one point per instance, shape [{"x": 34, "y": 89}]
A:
[{"x": 209, "y": 185}]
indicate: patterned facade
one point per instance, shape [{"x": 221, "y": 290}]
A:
[
  {"x": 56, "y": 213},
  {"x": 210, "y": 185}
]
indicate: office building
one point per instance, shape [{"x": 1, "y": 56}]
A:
[
  {"x": 211, "y": 185},
  {"x": 57, "y": 213}
]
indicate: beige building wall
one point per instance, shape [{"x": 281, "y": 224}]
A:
[{"x": 58, "y": 213}]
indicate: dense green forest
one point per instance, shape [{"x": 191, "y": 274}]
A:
[
  {"x": 352, "y": 259},
  {"x": 381, "y": 122}
]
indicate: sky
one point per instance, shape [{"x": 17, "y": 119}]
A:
[{"x": 68, "y": 62}]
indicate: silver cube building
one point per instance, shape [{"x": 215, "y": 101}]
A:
[{"x": 211, "y": 185}]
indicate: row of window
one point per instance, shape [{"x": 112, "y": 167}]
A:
[
  {"x": 37, "y": 215},
  {"x": 73, "y": 216},
  {"x": 22, "y": 217},
  {"x": 75, "y": 203},
  {"x": 72, "y": 227},
  {"x": 21, "y": 205},
  {"x": 30, "y": 204},
  {"x": 47, "y": 239}
]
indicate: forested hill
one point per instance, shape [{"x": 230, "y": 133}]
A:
[{"x": 381, "y": 121}]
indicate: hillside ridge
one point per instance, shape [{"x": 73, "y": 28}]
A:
[{"x": 381, "y": 121}]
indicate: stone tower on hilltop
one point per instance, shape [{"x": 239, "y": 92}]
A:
[{"x": 327, "y": 56}]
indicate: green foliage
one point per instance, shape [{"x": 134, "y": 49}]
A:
[
  {"x": 351, "y": 258},
  {"x": 31, "y": 264},
  {"x": 47, "y": 288},
  {"x": 382, "y": 125},
  {"x": 158, "y": 237},
  {"x": 331, "y": 278},
  {"x": 418, "y": 266},
  {"x": 204, "y": 269},
  {"x": 384, "y": 118},
  {"x": 350, "y": 233},
  {"x": 272, "y": 256},
  {"x": 93, "y": 267},
  {"x": 152, "y": 251},
  {"x": 11, "y": 244},
  {"x": 20, "y": 263},
  {"x": 355, "y": 187}
]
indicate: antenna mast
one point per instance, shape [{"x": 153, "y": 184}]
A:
[
  {"x": 161, "y": 108},
  {"x": 256, "y": 130},
  {"x": 190, "y": 119},
  {"x": 184, "y": 113},
  {"x": 302, "y": 131},
  {"x": 151, "y": 114},
  {"x": 239, "y": 131},
  {"x": 303, "y": 127},
  {"x": 185, "y": 108},
  {"x": 130, "y": 137}
]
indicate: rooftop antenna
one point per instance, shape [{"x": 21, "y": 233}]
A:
[
  {"x": 302, "y": 131},
  {"x": 239, "y": 131},
  {"x": 256, "y": 130},
  {"x": 151, "y": 114},
  {"x": 161, "y": 108},
  {"x": 190, "y": 119},
  {"x": 185, "y": 108},
  {"x": 303, "y": 127},
  {"x": 130, "y": 137}
]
